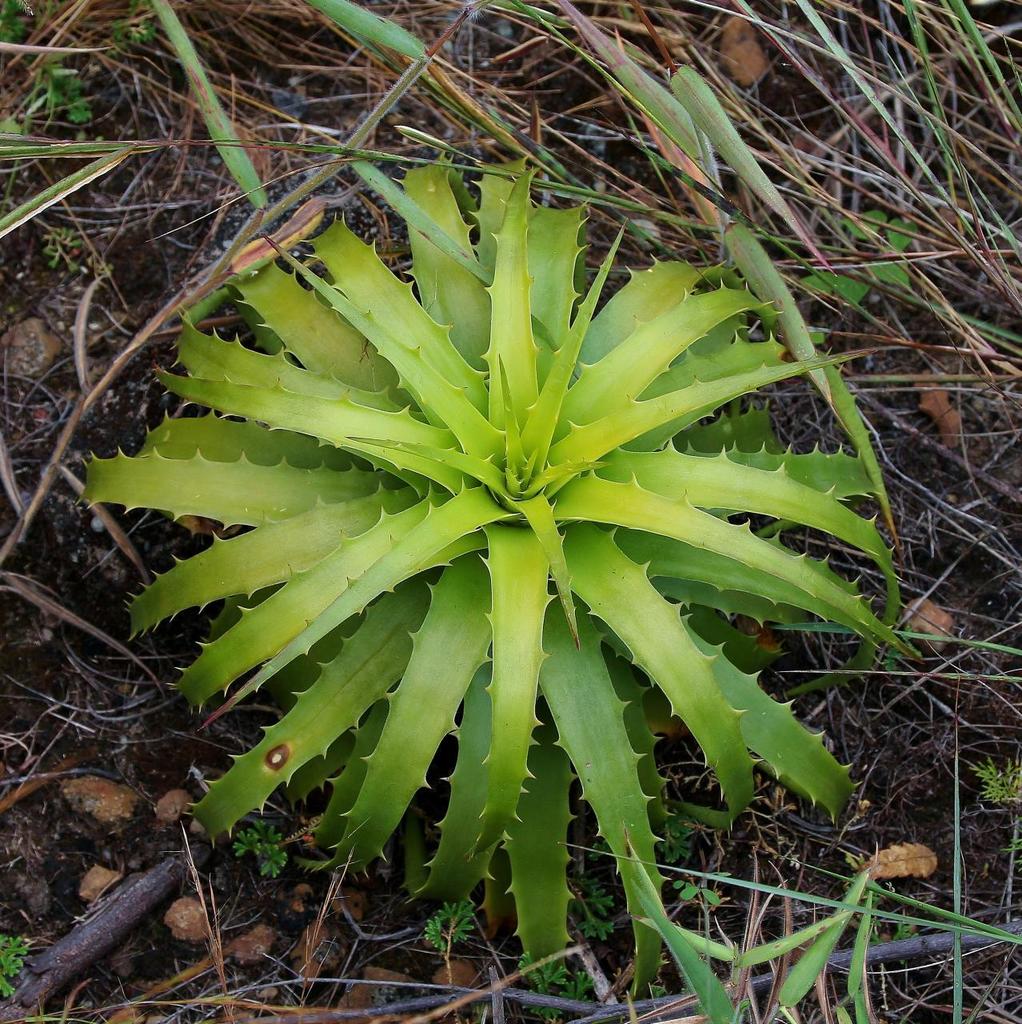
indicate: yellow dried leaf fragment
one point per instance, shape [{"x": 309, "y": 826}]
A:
[{"x": 903, "y": 860}]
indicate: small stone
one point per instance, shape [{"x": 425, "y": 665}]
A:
[
  {"x": 108, "y": 802},
  {"x": 252, "y": 946},
  {"x": 354, "y": 901},
  {"x": 318, "y": 949},
  {"x": 300, "y": 895},
  {"x": 358, "y": 997},
  {"x": 744, "y": 58},
  {"x": 172, "y": 805},
  {"x": 930, "y": 618},
  {"x": 383, "y": 976},
  {"x": 96, "y": 881},
  {"x": 122, "y": 963},
  {"x": 31, "y": 348},
  {"x": 462, "y": 973},
  {"x": 186, "y": 920}
]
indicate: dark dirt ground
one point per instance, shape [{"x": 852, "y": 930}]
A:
[{"x": 67, "y": 695}]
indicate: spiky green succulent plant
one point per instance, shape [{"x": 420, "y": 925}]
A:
[{"x": 479, "y": 507}]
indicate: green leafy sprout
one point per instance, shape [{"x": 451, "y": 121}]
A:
[
  {"x": 264, "y": 842},
  {"x": 478, "y": 506},
  {"x": 62, "y": 246},
  {"x": 890, "y": 230},
  {"x": 593, "y": 908},
  {"x": 1000, "y": 783},
  {"x": 451, "y": 924},
  {"x": 554, "y": 979},
  {"x": 676, "y": 847},
  {"x": 62, "y": 93},
  {"x": 13, "y": 950},
  {"x": 138, "y": 28},
  {"x": 13, "y": 27}
]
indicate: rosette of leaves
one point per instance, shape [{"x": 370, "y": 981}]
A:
[{"x": 476, "y": 506}]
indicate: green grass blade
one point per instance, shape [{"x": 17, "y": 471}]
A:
[
  {"x": 218, "y": 124},
  {"x": 713, "y": 999},
  {"x": 60, "y": 190},
  {"x": 368, "y": 27}
]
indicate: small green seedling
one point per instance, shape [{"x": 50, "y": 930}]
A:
[
  {"x": 62, "y": 93},
  {"x": 13, "y": 28},
  {"x": 852, "y": 289},
  {"x": 554, "y": 979},
  {"x": 593, "y": 908},
  {"x": 451, "y": 924},
  {"x": 688, "y": 892},
  {"x": 13, "y": 950},
  {"x": 1001, "y": 784},
  {"x": 138, "y": 28},
  {"x": 62, "y": 246},
  {"x": 263, "y": 841},
  {"x": 677, "y": 842}
]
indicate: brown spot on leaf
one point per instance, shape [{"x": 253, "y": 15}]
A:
[{"x": 278, "y": 757}]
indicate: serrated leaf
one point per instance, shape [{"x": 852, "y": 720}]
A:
[
  {"x": 537, "y": 848},
  {"x": 720, "y": 483},
  {"x": 554, "y": 250},
  {"x": 625, "y": 373},
  {"x": 261, "y": 558},
  {"x": 765, "y": 280},
  {"x": 316, "y": 334},
  {"x": 266, "y": 629},
  {"x": 648, "y": 294},
  {"x": 795, "y": 756},
  {"x": 224, "y": 440},
  {"x": 446, "y": 531},
  {"x": 594, "y": 500},
  {"x": 447, "y": 652},
  {"x": 617, "y": 590},
  {"x": 367, "y": 666},
  {"x": 233, "y": 493},
  {"x": 511, "y": 340},
  {"x": 519, "y": 574},
  {"x": 590, "y": 726},
  {"x": 546, "y": 414},
  {"x": 450, "y": 293},
  {"x": 459, "y": 863},
  {"x": 383, "y": 308},
  {"x": 595, "y": 439}
]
